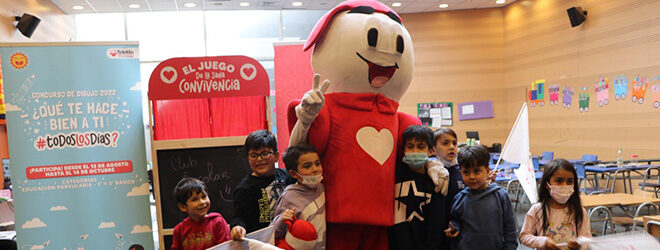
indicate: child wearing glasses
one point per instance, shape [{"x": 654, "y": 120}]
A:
[{"x": 255, "y": 196}]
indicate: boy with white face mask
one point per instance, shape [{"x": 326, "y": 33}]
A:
[
  {"x": 306, "y": 199},
  {"x": 419, "y": 211}
]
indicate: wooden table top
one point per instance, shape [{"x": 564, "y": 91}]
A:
[
  {"x": 608, "y": 200},
  {"x": 650, "y": 218}
]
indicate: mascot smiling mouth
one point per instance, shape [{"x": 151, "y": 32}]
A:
[{"x": 379, "y": 75}]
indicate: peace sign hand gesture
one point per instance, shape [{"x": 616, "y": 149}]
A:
[{"x": 313, "y": 101}]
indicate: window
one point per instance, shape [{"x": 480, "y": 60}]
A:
[
  {"x": 163, "y": 35},
  {"x": 100, "y": 27}
]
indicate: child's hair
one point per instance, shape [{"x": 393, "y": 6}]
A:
[
  {"x": 574, "y": 203},
  {"x": 473, "y": 156},
  {"x": 294, "y": 152},
  {"x": 260, "y": 139},
  {"x": 186, "y": 188},
  {"x": 442, "y": 131},
  {"x": 420, "y": 133}
]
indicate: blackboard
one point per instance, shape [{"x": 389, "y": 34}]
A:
[{"x": 221, "y": 168}]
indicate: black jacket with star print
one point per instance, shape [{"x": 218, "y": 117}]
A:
[{"x": 419, "y": 212}]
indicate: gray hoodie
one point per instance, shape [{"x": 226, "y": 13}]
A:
[
  {"x": 484, "y": 219},
  {"x": 310, "y": 206}
]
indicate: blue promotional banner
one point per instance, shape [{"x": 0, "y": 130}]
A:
[{"x": 76, "y": 143}]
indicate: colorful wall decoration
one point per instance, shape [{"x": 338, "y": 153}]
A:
[
  {"x": 535, "y": 95},
  {"x": 553, "y": 93},
  {"x": 76, "y": 139},
  {"x": 567, "y": 96},
  {"x": 602, "y": 91},
  {"x": 436, "y": 114},
  {"x": 583, "y": 99},
  {"x": 656, "y": 95},
  {"x": 639, "y": 86},
  {"x": 620, "y": 83}
]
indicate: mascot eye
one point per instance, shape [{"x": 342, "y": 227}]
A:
[
  {"x": 399, "y": 44},
  {"x": 372, "y": 37}
]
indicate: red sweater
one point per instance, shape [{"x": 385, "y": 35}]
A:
[{"x": 192, "y": 235}]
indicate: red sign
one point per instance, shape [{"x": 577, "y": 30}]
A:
[
  {"x": 204, "y": 77},
  {"x": 78, "y": 169}
]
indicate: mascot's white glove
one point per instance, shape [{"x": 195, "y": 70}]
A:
[
  {"x": 312, "y": 102},
  {"x": 439, "y": 175}
]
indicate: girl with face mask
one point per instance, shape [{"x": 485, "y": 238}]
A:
[{"x": 559, "y": 219}]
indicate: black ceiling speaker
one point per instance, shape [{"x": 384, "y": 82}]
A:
[
  {"x": 27, "y": 24},
  {"x": 577, "y": 16}
]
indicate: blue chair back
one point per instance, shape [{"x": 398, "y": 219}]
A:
[
  {"x": 547, "y": 156},
  {"x": 535, "y": 162},
  {"x": 579, "y": 168},
  {"x": 590, "y": 157}
]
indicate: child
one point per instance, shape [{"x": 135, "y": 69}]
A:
[
  {"x": 200, "y": 230},
  {"x": 481, "y": 214},
  {"x": 559, "y": 216},
  {"x": 305, "y": 199},
  {"x": 446, "y": 150},
  {"x": 256, "y": 194},
  {"x": 419, "y": 211}
]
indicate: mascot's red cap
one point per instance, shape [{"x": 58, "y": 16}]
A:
[{"x": 347, "y": 5}]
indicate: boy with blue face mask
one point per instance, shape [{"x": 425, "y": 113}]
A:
[{"x": 419, "y": 211}]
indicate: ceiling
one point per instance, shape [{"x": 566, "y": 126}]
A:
[{"x": 407, "y": 6}]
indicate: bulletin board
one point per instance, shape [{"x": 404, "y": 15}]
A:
[{"x": 436, "y": 114}]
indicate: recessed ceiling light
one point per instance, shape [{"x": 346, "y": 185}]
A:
[
  {"x": 500, "y": 1},
  {"x": 296, "y": 4},
  {"x": 78, "y": 7},
  {"x": 396, "y": 4},
  {"x": 244, "y": 4},
  {"x": 134, "y": 6},
  {"x": 190, "y": 5},
  {"x": 444, "y": 5}
]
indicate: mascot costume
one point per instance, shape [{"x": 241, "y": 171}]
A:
[{"x": 365, "y": 54}]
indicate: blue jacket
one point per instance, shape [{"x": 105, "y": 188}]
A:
[{"x": 484, "y": 219}]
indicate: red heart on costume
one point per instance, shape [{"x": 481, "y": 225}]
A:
[
  {"x": 248, "y": 71},
  {"x": 168, "y": 74}
]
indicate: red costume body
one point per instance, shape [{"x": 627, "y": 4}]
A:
[{"x": 359, "y": 190}]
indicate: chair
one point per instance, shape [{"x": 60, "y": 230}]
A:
[
  {"x": 653, "y": 228},
  {"x": 535, "y": 162},
  {"x": 589, "y": 158},
  {"x": 547, "y": 155},
  {"x": 581, "y": 174},
  {"x": 606, "y": 220},
  {"x": 651, "y": 184}
]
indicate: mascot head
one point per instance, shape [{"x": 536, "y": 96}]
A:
[{"x": 362, "y": 47}]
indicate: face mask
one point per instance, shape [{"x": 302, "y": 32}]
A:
[
  {"x": 311, "y": 180},
  {"x": 415, "y": 160},
  {"x": 561, "y": 193}
]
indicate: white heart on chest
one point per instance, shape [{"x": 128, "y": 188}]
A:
[{"x": 378, "y": 144}]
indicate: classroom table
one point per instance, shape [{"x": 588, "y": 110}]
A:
[
  {"x": 647, "y": 218},
  {"x": 612, "y": 171},
  {"x": 606, "y": 201},
  {"x": 648, "y": 161}
]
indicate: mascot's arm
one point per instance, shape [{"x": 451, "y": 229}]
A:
[
  {"x": 316, "y": 134},
  {"x": 307, "y": 110}
]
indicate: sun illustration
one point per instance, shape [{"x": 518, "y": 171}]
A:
[{"x": 19, "y": 60}]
